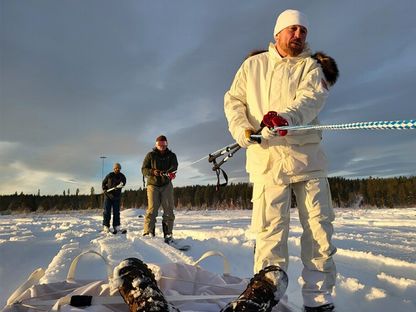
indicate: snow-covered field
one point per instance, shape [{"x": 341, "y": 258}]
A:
[{"x": 376, "y": 257}]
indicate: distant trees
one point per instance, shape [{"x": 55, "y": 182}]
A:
[
  {"x": 233, "y": 196},
  {"x": 374, "y": 192},
  {"x": 393, "y": 192},
  {"x": 370, "y": 192}
]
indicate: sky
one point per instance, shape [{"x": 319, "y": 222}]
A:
[
  {"x": 85, "y": 79},
  {"x": 376, "y": 268}
]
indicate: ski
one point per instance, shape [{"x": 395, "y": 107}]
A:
[
  {"x": 177, "y": 245},
  {"x": 122, "y": 231},
  {"x": 113, "y": 232}
]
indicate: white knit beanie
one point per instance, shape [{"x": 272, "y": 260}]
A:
[{"x": 289, "y": 18}]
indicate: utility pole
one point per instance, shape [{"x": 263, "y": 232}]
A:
[
  {"x": 102, "y": 177},
  {"x": 102, "y": 167}
]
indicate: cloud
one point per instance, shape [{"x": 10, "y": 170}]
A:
[{"x": 84, "y": 79}]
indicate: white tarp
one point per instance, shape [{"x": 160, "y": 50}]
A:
[{"x": 189, "y": 287}]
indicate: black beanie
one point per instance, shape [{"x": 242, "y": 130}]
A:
[{"x": 161, "y": 138}]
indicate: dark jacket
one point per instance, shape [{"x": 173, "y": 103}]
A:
[
  {"x": 112, "y": 180},
  {"x": 166, "y": 162}
]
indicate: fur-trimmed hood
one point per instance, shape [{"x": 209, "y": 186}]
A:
[{"x": 329, "y": 67}]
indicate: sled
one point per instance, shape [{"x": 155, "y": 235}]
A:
[{"x": 188, "y": 287}]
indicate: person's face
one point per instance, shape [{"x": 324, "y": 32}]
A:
[
  {"x": 116, "y": 169},
  {"x": 161, "y": 146},
  {"x": 291, "y": 40}
]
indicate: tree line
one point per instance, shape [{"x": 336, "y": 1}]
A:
[{"x": 371, "y": 192}]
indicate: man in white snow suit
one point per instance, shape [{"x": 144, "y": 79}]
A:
[
  {"x": 112, "y": 185},
  {"x": 286, "y": 86},
  {"x": 160, "y": 166}
]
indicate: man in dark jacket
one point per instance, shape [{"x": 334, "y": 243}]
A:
[
  {"x": 112, "y": 185},
  {"x": 159, "y": 167}
]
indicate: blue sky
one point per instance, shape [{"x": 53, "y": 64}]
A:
[{"x": 83, "y": 79}]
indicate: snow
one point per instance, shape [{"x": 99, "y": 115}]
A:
[{"x": 376, "y": 258}]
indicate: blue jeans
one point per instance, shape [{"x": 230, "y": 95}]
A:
[{"x": 108, "y": 204}]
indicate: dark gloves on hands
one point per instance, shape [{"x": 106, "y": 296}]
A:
[
  {"x": 273, "y": 119},
  {"x": 159, "y": 173}
]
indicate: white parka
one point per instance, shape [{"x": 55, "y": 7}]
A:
[{"x": 294, "y": 87}]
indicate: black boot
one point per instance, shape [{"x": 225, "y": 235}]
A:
[
  {"x": 151, "y": 233},
  {"x": 262, "y": 293},
  {"x": 168, "y": 239},
  {"x": 138, "y": 287},
  {"x": 166, "y": 234}
]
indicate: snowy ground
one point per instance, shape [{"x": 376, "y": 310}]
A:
[{"x": 376, "y": 257}]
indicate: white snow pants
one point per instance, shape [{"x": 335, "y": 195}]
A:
[{"x": 271, "y": 216}]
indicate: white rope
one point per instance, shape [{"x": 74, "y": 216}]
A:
[{"x": 366, "y": 125}]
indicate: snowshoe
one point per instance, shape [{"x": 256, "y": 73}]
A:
[
  {"x": 137, "y": 285},
  {"x": 263, "y": 292}
]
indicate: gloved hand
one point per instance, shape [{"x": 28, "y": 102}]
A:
[
  {"x": 171, "y": 175},
  {"x": 156, "y": 172},
  {"x": 273, "y": 119},
  {"x": 267, "y": 133},
  {"x": 245, "y": 139}
]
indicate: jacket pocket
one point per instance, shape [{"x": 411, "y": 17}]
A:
[
  {"x": 258, "y": 215},
  {"x": 257, "y": 159}
]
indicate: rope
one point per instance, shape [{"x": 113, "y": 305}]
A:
[
  {"x": 192, "y": 163},
  {"x": 365, "y": 125}
]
